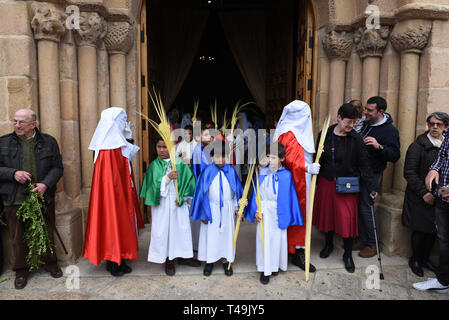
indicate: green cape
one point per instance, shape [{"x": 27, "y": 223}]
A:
[{"x": 151, "y": 185}]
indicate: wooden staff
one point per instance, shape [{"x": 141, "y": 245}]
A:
[
  {"x": 312, "y": 196},
  {"x": 242, "y": 204}
]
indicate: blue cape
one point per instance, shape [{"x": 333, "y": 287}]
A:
[
  {"x": 200, "y": 209},
  {"x": 199, "y": 160},
  {"x": 288, "y": 210}
]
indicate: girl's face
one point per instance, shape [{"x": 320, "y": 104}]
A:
[
  {"x": 162, "y": 150},
  {"x": 188, "y": 135},
  {"x": 346, "y": 124}
]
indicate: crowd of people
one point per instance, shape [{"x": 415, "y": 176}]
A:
[{"x": 196, "y": 201}]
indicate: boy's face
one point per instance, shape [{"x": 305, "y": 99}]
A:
[
  {"x": 219, "y": 160},
  {"x": 274, "y": 161},
  {"x": 206, "y": 138},
  {"x": 162, "y": 150},
  {"x": 188, "y": 135}
]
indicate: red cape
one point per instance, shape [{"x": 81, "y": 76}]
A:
[
  {"x": 111, "y": 224},
  {"x": 295, "y": 162}
]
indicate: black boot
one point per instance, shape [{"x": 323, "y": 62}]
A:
[
  {"x": 349, "y": 263},
  {"x": 299, "y": 259},
  {"x": 329, "y": 247},
  {"x": 415, "y": 266},
  {"x": 114, "y": 269},
  {"x": 125, "y": 268},
  {"x": 208, "y": 269}
]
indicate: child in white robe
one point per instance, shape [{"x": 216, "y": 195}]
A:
[
  {"x": 215, "y": 203},
  {"x": 171, "y": 235}
]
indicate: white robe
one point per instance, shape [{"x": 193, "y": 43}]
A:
[
  {"x": 274, "y": 255},
  {"x": 170, "y": 227},
  {"x": 215, "y": 242}
]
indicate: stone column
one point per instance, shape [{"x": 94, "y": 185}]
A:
[
  {"x": 409, "y": 38},
  {"x": 118, "y": 42},
  {"x": 70, "y": 148},
  {"x": 92, "y": 30},
  {"x": 48, "y": 27},
  {"x": 338, "y": 46},
  {"x": 370, "y": 44}
]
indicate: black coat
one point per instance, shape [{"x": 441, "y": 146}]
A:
[
  {"x": 416, "y": 214},
  {"x": 355, "y": 164},
  {"x": 48, "y": 164}
]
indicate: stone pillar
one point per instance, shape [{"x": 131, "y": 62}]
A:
[
  {"x": 48, "y": 27},
  {"x": 103, "y": 78},
  {"x": 409, "y": 38},
  {"x": 370, "y": 44},
  {"x": 119, "y": 40},
  {"x": 338, "y": 46},
  {"x": 353, "y": 90},
  {"x": 92, "y": 30},
  {"x": 389, "y": 89},
  {"x": 70, "y": 148}
]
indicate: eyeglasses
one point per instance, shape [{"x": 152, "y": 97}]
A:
[
  {"x": 20, "y": 122},
  {"x": 433, "y": 124}
]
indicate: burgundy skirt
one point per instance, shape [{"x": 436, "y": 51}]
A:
[{"x": 334, "y": 211}]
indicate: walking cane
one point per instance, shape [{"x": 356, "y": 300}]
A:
[{"x": 381, "y": 275}]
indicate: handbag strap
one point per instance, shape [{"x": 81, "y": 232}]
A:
[{"x": 333, "y": 153}]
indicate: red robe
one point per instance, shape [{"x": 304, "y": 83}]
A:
[
  {"x": 113, "y": 208},
  {"x": 295, "y": 162}
]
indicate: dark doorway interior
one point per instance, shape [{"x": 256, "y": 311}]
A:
[{"x": 214, "y": 75}]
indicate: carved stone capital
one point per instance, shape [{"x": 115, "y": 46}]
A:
[
  {"x": 371, "y": 42},
  {"x": 413, "y": 39},
  {"x": 47, "y": 22},
  {"x": 92, "y": 30},
  {"x": 120, "y": 37},
  {"x": 338, "y": 45}
]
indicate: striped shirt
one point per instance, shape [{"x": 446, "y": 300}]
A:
[{"x": 441, "y": 165}]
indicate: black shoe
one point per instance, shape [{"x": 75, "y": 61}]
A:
[
  {"x": 264, "y": 279},
  {"x": 349, "y": 264},
  {"x": 114, "y": 269},
  {"x": 327, "y": 250},
  {"x": 429, "y": 266},
  {"x": 275, "y": 274},
  {"x": 125, "y": 268},
  {"x": 415, "y": 267},
  {"x": 226, "y": 271},
  {"x": 208, "y": 269},
  {"x": 170, "y": 267},
  {"x": 299, "y": 259}
]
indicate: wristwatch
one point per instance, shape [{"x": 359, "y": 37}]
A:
[{"x": 381, "y": 147}]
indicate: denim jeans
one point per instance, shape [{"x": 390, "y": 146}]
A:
[
  {"x": 442, "y": 225},
  {"x": 365, "y": 219}
]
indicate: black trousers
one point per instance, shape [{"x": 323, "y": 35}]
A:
[
  {"x": 16, "y": 231},
  {"x": 442, "y": 224}
]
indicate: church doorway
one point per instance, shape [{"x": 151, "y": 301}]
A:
[{"x": 224, "y": 51}]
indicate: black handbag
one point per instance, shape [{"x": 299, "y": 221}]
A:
[{"x": 344, "y": 184}]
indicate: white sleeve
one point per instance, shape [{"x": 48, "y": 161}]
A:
[{"x": 164, "y": 186}]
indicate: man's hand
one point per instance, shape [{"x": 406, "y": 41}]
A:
[
  {"x": 173, "y": 175},
  {"x": 373, "y": 195},
  {"x": 258, "y": 217},
  {"x": 446, "y": 196},
  {"x": 429, "y": 198},
  {"x": 431, "y": 176},
  {"x": 205, "y": 221},
  {"x": 22, "y": 176},
  {"x": 370, "y": 141},
  {"x": 40, "y": 187}
]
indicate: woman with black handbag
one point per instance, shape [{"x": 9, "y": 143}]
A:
[{"x": 343, "y": 163}]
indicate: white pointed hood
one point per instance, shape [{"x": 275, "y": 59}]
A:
[
  {"x": 297, "y": 118},
  {"x": 111, "y": 133}
]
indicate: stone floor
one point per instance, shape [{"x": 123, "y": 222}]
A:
[{"x": 149, "y": 282}]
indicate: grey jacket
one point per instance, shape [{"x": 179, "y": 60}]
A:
[{"x": 48, "y": 164}]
